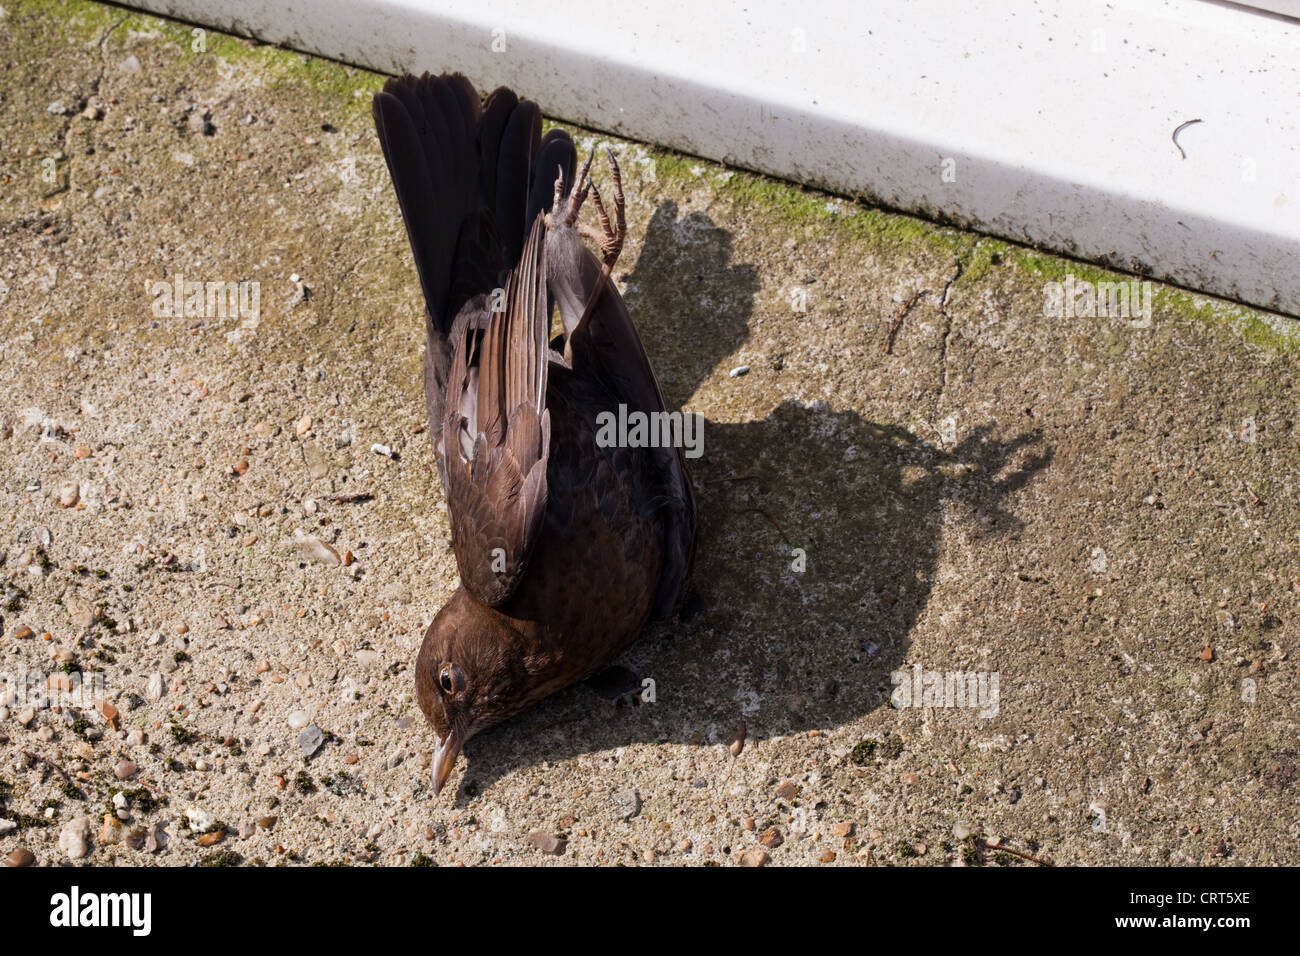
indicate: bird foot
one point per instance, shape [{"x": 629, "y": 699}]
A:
[
  {"x": 564, "y": 209},
  {"x": 608, "y": 238}
]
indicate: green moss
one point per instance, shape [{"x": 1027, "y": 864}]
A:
[
  {"x": 341, "y": 784},
  {"x": 862, "y": 754},
  {"x": 81, "y": 20},
  {"x": 906, "y": 850},
  {"x": 420, "y": 860},
  {"x": 304, "y": 783},
  {"x": 1262, "y": 330},
  {"x": 983, "y": 257},
  {"x": 14, "y": 597},
  {"x": 1273, "y": 333},
  {"x": 348, "y": 86},
  {"x": 790, "y": 204},
  {"x": 77, "y": 18},
  {"x": 24, "y": 820},
  {"x": 182, "y": 735},
  {"x": 223, "y": 858},
  {"x": 140, "y": 799}
]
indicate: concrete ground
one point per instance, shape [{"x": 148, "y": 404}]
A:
[{"x": 1097, "y": 512}]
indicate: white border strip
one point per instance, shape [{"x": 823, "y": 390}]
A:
[{"x": 1043, "y": 123}]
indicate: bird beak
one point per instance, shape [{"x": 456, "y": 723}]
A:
[{"x": 444, "y": 758}]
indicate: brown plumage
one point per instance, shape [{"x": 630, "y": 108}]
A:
[{"x": 565, "y": 548}]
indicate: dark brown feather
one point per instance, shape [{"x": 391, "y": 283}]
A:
[
  {"x": 497, "y": 491},
  {"x": 565, "y": 547}
]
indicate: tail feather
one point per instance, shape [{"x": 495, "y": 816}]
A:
[
  {"x": 556, "y": 154},
  {"x": 470, "y": 181},
  {"x": 423, "y": 128},
  {"x": 449, "y": 158},
  {"x": 495, "y": 116},
  {"x": 519, "y": 141}
]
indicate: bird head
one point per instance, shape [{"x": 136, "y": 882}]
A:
[{"x": 467, "y": 678}]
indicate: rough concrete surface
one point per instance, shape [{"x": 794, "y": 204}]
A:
[{"x": 1100, "y": 514}]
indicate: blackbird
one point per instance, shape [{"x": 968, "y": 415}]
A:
[{"x": 565, "y": 545}]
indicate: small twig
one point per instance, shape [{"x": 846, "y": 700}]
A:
[
  {"x": 770, "y": 520},
  {"x": 53, "y": 766},
  {"x": 350, "y": 498},
  {"x": 1182, "y": 126},
  {"x": 1255, "y": 499},
  {"x": 714, "y": 481},
  {"x": 1023, "y": 856},
  {"x": 898, "y": 321}
]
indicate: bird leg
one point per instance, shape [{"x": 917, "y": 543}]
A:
[
  {"x": 565, "y": 209},
  {"x": 609, "y": 239}
]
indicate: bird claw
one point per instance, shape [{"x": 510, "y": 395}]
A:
[
  {"x": 609, "y": 237},
  {"x": 565, "y": 209}
]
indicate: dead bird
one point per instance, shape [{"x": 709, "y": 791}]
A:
[{"x": 565, "y": 548}]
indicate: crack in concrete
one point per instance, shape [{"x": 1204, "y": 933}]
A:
[
  {"x": 80, "y": 106},
  {"x": 947, "y": 331},
  {"x": 103, "y": 58}
]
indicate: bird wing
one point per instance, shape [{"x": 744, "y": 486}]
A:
[
  {"x": 496, "y": 431},
  {"x": 470, "y": 180},
  {"x": 605, "y": 344}
]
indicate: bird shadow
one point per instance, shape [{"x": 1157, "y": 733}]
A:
[{"x": 818, "y": 539}]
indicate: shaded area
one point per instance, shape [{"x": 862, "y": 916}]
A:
[{"x": 819, "y": 538}]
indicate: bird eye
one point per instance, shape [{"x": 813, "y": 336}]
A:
[{"x": 451, "y": 679}]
